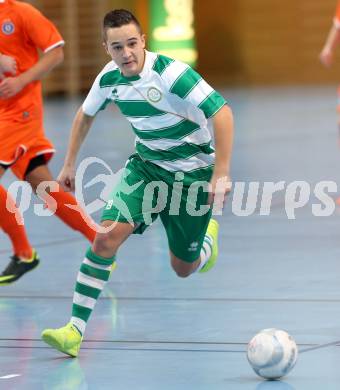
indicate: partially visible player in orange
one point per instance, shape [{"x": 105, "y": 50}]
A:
[
  {"x": 24, "y": 31},
  {"x": 326, "y": 55},
  {"x": 327, "y": 52}
]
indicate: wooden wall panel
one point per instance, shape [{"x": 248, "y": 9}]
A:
[
  {"x": 264, "y": 41},
  {"x": 244, "y": 42},
  {"x": 79, "y": 21}
]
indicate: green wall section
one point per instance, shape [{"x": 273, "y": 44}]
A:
[{"x": 171, "y": 29}]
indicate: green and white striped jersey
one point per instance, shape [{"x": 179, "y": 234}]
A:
[{"x": 167, "y": 104}]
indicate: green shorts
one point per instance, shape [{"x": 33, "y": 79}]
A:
[{"x": 146, "y": 191}]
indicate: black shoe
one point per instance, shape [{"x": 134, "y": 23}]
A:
[{"x": 16, "y": 268}]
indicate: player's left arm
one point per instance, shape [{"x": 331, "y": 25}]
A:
[
  {"x": 10, "y": 86},
  {"x": 223, "y": 125}
]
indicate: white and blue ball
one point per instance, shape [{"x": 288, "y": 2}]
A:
[{"x": 272, "y": 353}]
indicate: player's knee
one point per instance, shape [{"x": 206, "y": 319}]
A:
[
  {"x": 105, "y": 244},
  {"x": 182, "y": 268},
  {"x": 34, "y": 182},
  {"x": 36, "y": 173},
  {"x": 183, "y": 273}
]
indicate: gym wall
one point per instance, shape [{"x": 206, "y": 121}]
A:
[{"x": 240, "y": 42}]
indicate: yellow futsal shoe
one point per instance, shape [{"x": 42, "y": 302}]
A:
[
  {"x": 66, "y": 339},
  {"x": 212, "y": 231}
]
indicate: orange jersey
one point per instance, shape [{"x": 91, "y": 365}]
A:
[
  {"x": 337, "y": 16},
  {"x": 24, "y": 30}
]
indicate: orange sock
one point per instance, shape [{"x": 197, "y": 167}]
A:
[
  {"x": 9, "y": 224},
  {"x": 73, "y": 218}
]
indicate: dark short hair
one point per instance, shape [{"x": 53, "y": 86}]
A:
[{"x": 118, "y": 18}]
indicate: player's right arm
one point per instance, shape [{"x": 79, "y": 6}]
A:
[
  {"x": 326, "y": 55},
  {"x": 80, "y": 128},
  {"x": 7, "y": 65},
  {"x": 95, "y": 101},
  {"x": 13, "y": 85}
]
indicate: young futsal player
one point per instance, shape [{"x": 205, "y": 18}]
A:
[{"x": 167, "y": 104}]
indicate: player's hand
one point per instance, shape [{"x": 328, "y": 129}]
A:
[
  {"x": 66, "y": 178},
  {"x": 8, "y": 65},
  {"x": 10, "y": 86},
  {"x": 326, "y": 57},
  {"x": 219, "y": 187}
]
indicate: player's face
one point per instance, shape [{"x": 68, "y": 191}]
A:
[{"x": 126, "y": 45}]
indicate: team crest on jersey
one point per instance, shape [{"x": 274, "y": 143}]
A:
[
  {"x": 7, "y": 27},
  {"x": 154, "y": 95}
]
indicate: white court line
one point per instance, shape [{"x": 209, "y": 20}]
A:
[
  {"x": 9, "y": 376},
  {"x": 334, "y": 343}
]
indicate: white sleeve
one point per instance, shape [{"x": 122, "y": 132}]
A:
[{"x": 96, "y": 98}]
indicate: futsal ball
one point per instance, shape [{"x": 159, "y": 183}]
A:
[{"x": 272, "y": 353}]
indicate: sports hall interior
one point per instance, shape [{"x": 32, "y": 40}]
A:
[{"x": 276, "y": 269}]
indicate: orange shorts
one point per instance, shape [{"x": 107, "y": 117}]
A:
[{"x": 20, "y": 143}]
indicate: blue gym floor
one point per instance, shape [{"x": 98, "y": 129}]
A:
[{"x": 153, "y": 330}]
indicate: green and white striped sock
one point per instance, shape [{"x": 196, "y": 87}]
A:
[
  {"x": 205, "y": 251},
  {"x": 92, "y": 277}
]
